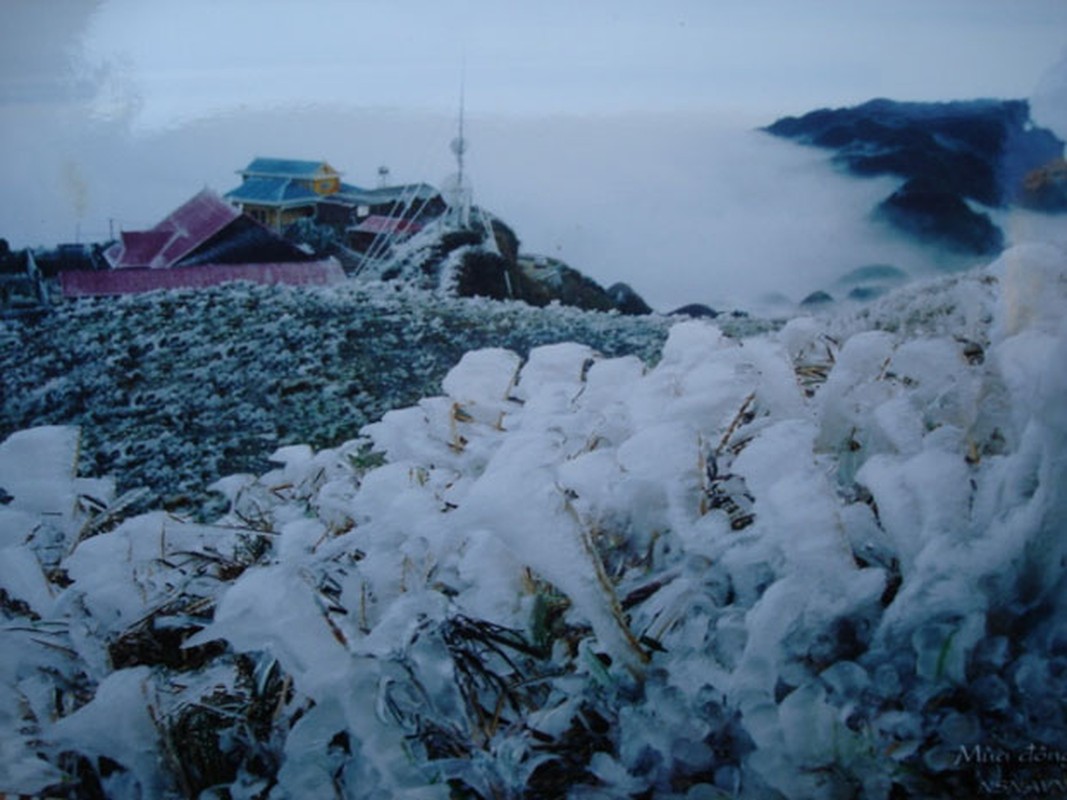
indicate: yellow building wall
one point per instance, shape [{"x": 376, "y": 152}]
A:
[
  {"x": 277, "y": 218},
  {"x": 327, "y": 186}
]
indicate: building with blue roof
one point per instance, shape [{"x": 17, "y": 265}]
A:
[
  {"x": 289, "y": 168},
  {"x": 280, "y": 191}
]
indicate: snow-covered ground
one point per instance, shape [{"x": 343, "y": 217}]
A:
[
  {"x": 824, "y": 561},
  {"x": 174, "y": 390}
]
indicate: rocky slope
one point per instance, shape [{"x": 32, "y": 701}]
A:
[{"x": 484, "y": 259}]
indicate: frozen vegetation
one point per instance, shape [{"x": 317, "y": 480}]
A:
[
  {"x": 824, "y": 561},
  {"x": 174, "y": 390}
]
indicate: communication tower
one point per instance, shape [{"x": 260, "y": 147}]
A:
[{"x": 457, "y": 188}]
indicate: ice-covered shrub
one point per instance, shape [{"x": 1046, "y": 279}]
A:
[{"x": 824, "y": 562}]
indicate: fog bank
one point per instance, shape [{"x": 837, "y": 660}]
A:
[{"x": 683, "y": 207}]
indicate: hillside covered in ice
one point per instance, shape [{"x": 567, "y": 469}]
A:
[
  {"x": 822, "y": 561},
  {"x": 174, "y": 390}
]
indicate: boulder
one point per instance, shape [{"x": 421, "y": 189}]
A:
[
  {"x": 541, "y": 281},
  {"x": 697, "y": 310},
  {"x": 817, "y": 299},
  {"x": 627, "y": 301}
]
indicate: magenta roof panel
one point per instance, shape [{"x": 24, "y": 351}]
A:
[
  {"x": 181, "y": 232},
  {"x": 380, "y": 224},
  {"x": 141, "y": 248},
  {"x": 107, "y": 283},
  {"x": 195, "y": 222}
]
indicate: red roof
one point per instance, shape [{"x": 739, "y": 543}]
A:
[
  {"x": 379, "y": 224},
  {"x": 185, "y": 229},
  {"x": 140, "y": 247},
  {"x": 107, "y": 283}
]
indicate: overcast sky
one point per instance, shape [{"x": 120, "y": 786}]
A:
[
  {"x": 181, "y": 59},
  {"x": 112, "y": 112}
]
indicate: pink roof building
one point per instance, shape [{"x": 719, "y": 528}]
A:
[
  {"x": 185, "y": 229},
  {"x": 204, "y": 242}
]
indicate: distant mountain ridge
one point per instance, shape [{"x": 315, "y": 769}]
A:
[{"x": 949, "y": 153}]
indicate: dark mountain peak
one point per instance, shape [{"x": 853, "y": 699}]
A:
[
  {"x": 915, "y": 109},
  {"x": 981, "y": 150}
]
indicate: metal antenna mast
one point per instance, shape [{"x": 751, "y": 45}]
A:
[
  {"x": 459, "y": 146},
  {"x": 461, "y": 207}
]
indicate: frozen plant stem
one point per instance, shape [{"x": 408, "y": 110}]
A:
[{"x": 608, "y": 590}]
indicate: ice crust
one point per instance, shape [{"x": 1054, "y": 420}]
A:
[{"x": 814, "y": 563}]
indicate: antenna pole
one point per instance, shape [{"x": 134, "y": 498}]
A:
[
  {"x": 460, "y": 211},
  {"x": 462, "y": 108}
]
